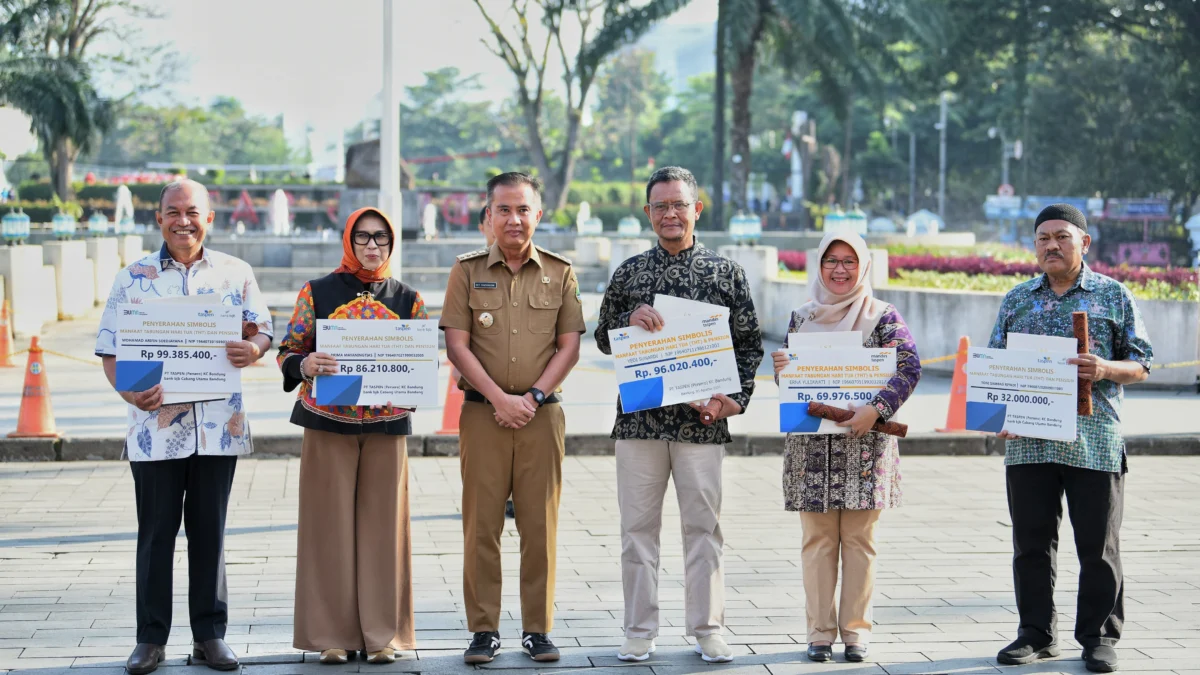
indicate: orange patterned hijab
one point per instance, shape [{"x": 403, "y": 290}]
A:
[{"x": 350, "y": 263}]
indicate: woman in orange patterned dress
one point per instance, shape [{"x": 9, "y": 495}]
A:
[{"x": 354, "y": 559}]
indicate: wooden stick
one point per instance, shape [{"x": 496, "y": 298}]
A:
[
  {"x": 708, "y": 411},
  {"x": 1082, "y": 343},
  {"x": 828, "y": 412}
]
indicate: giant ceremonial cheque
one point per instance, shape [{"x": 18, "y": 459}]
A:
[
  {"x": 834, "y": 376},
  {"x": 181, "y": 346},
  {"x": 688, "y": 360},
  {"x": 1027, "y": 393},
  {"x": 379, "y": 362}
]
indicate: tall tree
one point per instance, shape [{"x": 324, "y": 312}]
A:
[
  {"x": 616, "y": 23},
  {"x": 817, "y": 33},
  {"x": 66, "y": 31},
  {"x": 718, "y": 161},
  {"x": 630, "y": 96}
]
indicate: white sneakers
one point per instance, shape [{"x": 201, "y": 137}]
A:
[
  {"x": 712, "y": 648},
  {"x": 636, "y": 649}
]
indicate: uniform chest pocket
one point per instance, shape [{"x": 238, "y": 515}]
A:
[
  {"x": 486, "y": 307},
  {"x": 543, "y": 314}
]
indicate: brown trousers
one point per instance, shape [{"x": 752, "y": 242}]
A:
[
  {"x": 527, "y": 463},
  {"x": 853, "y": 532},
  {"x": 354, "y": 556}
]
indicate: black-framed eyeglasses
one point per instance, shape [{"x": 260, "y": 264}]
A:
[
  {"x": 831, "y": 264},
  {"x": 382, "y": 238},
  {"x": 662, "y": 208}
]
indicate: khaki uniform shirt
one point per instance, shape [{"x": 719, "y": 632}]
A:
[{"x": 514, "y": 319}]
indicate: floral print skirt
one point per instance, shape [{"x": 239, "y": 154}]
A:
[{"x": 833, "y": 472}]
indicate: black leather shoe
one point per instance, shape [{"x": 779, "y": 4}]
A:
[
  {"x": 820, "y": 652},
  {"x": 856, "y": 653},
  {"x": 483, "y": 647},
  {"x": 145, "y": 658},
  {"x": 1100, "y": 659},
  {"x": 215, "y": 654},
  {"x": 1023, "y": 651}
]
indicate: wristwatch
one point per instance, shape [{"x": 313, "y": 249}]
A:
[{"x": 539, "y": 397}]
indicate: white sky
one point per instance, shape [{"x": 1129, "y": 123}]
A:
[{"x": 318, "y": 62}]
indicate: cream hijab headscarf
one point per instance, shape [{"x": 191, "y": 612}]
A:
[{"x": 828, "y": 311}]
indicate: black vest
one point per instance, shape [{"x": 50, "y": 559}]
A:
[{"x": 328, "y": 294}]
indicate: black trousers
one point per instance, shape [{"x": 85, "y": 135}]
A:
[
  {"x": 195, "y": 490},
  {"x": 1094, "y": 502}
]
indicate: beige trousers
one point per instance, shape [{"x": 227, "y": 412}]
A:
[
  {"x": 853, "y": 532},
  {"x": 643, "y": 469},
  {"x": 353, "y": 558},
  {"x": 526, "y": 463}
]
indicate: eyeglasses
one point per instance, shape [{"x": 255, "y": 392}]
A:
[
  {"x": 832, "y": 263},
  {"x": 382, "y": 238},
  {"x": 663, "y": 208}
]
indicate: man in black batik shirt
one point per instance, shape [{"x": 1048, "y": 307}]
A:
[{"x": 654, "y": 445}]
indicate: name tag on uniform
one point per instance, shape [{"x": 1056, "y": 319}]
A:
[{"x": 485, "y": 284}]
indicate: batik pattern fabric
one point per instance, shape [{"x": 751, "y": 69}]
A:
[
  {"x": 1116, "y": 332},
  {"x": 832, "y": 472},
  {"x": 184, "y": 429},
  {"x": 698, "y": 274},
  {"x": 301, "y": 340}
]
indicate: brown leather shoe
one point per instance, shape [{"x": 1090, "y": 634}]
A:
[
  {"x": 145, "y": 658},
  {"x": 215, "y": 654}
]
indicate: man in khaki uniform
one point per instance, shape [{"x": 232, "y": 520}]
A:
[{"x": 513, "y": 321}]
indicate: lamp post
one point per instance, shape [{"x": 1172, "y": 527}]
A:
[
  {"x": 389, "y": 136},
  {"x": 912, "y": 172},
  {"x": 1008, "y": 150},
  {"x": 941, "y": 127}
]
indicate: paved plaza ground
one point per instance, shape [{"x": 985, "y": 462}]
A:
[{"x": 943, "y": 601}]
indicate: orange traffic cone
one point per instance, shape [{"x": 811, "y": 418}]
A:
[
  {"x": 5, "y": 338},
  {"x": 36, "y": 419},
  {"x": 453, "y": 407},
  {"x": 956, "y": 416}
]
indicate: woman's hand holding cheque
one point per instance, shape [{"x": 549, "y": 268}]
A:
[{"x": 779, "y": 360}]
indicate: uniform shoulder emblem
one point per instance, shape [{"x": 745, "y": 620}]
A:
[
  {"x": 473, "y": 254},
  {"x": 552, "y": 254}
]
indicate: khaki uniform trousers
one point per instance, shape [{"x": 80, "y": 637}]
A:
[
  {"x": 643, "y": 470},
  {"x": 853, "y": 532},
  {"x": 527, "y": 463},
  {"x": 354, "y": 555}
]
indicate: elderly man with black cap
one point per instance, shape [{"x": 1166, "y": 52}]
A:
[{"x": 1090, "y": 470}]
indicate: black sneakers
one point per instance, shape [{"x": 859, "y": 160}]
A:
[
  {"x": 483, "y": 648},
  {"x": 1100, "y": 659},
  {"x": 1024, "y": 651},
  {"x": 539, "y": 647}
]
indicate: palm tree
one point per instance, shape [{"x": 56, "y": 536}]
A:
[
  {"x": 66, "y": 113},
  {"x": 833, "y": 40},
  {"x": 43, "y": 74}
]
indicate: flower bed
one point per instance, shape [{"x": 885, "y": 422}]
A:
[
  {"x": 935, "y": 269},
  {"x": 976, "y": 265}
]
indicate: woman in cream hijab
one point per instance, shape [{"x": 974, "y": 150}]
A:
[{"x": 840, "y": 483}]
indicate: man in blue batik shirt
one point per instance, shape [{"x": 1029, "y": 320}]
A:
[{"x": 1090, "y": 470}]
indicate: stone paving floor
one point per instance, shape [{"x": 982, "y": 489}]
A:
[{"x": 943, "y": 601}]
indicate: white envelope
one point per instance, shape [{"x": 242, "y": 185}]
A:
[
  {"x": 669, "y": 305},
  {"x": 1043, "y": 344},
  {"x": 837, "y": 339}
]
